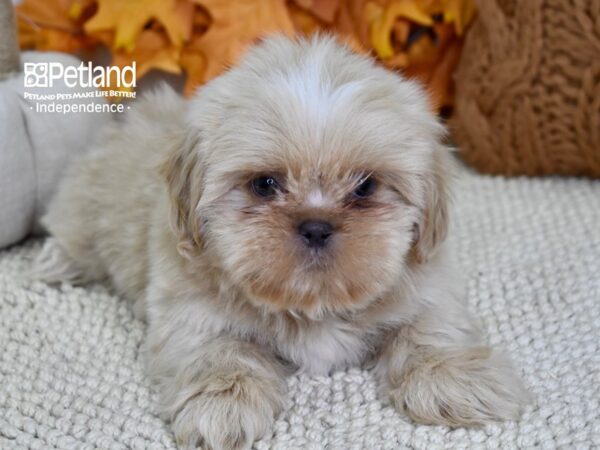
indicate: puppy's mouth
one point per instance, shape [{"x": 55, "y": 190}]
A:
[
  {"x": 316, "y": 267},
  {"x": 314, "y": 286},
  {"x": 317, "y": 263}
]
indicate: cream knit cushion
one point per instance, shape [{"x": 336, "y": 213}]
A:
[{"x": 71, "y": 376}]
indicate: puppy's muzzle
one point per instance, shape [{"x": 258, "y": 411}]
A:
[{"x": 315, "y": 233}]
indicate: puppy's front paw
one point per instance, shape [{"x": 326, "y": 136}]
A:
[
  {"x": 468, "y": 387},
  {"x": 230, "y": 413}
]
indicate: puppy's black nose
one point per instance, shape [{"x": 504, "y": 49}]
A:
[{"x": 315, "y": 232}]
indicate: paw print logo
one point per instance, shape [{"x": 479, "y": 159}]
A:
[{"x": 36, "y": 74}]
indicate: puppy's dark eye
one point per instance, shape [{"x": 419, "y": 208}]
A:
[
  {"x": 365, "y": 188},
  {"x": 265, "y": 186}
]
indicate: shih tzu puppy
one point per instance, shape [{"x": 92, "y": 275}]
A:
[{"x": 290, "y": 217}]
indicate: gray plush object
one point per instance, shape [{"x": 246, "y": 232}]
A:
[{"x": 34, "y": 147}]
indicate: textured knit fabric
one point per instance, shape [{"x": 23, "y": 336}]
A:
[
  {"x": 71, "y": 375},
  {"x": 528, "y": 88}
]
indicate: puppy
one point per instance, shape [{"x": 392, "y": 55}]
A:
[{"x": 290, "y": 217}]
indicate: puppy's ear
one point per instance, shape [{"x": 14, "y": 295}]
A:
[
  {"x": 183, "y": 174},
  {"x": 433, "y": 226}
]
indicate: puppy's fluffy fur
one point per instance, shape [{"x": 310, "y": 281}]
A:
[{"x": 234, "y": 297}]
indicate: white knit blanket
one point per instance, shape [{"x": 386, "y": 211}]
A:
[{"x": 71, "y": 376}]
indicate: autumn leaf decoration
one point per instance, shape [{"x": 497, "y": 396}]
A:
[{"x": 421, "y": 38}]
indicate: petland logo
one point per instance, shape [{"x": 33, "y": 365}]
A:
[
  {"x": 44, "y": 74},
  {"x": 51, "y": 87}
]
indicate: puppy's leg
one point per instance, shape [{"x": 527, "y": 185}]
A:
[
  {"x": 54, "y": 265},
  {"x": 440, "y": 373},
  {"x": 223, "y": 393}
]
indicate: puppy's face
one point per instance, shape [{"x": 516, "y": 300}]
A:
[
  {"x": 311, "y": 236},
  {"x": 314, "y": 179}
]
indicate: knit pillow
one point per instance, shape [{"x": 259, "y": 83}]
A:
[{"x": 528, "y": 88}]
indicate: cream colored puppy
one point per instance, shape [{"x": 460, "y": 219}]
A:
[{"x": 290, "y": 217}]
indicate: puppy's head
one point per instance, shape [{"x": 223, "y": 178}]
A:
[{"x": 313, "y": 179}]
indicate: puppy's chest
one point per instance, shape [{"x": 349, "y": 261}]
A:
[{"x": 320, "y": 348}]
